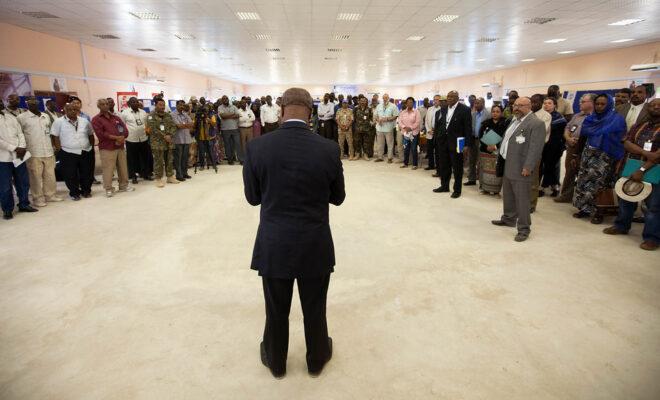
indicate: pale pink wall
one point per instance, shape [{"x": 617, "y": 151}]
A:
[
  {"x": 107, "y": 72},
  {"x": 604, "y": 70},
  {"x": 317, "y": 91}
]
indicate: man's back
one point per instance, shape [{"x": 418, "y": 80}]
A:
[{"x": 294, "y": 175}]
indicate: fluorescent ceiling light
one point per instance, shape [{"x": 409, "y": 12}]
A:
[
  {"x": 622, "y": 40},
  {"x": 625, "y": 22},
  {"x": 349, "y": 16},
  {"x": 480, "y": 60},
  {"x": 499, "y": 66},
  {"x": 512, "y": 52},
  {"x": 528, "y": 59},
  {"x": 566, "y": 52},
  {"x": 396, "y": 50},
  {"x": 341, "y": 37},
  {"x": 445, "y": 18},
  {"x": 145, "y": 15},
  {"x": 415, "y": 38},
  {"x": 540, "y": 20},
  {"x": 209, "y": 50},
  {"x": 262, "y": 36},
  {"x": 248, "y": 16},
  {"x": 184, "y": 36},
  {"x": 553, "y": 40}
]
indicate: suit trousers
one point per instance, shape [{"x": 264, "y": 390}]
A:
[
  {"x": 76, "y": 169},
  {"x": 536, "y": 185},
  {"x": 42, "y": 177},
  {"x": 326, "y": 129},
  {"x": 277, "y": 295},
  {"x": 232, "y": 140},
  {"x": 448, "y": 162},
  {"x": 14, "y": 176},
  {"x": 112, "y": 160},
  {"x": 381, "y": 138},
  {"x": 346, "y": 136},
  {"x": 430, "y": 152},
  {"x": 269, "y": 127},
  {"x": 515, "y": 195},
  {"x": 473, "y": 159},
  {"x": 246, "y": 136},
  {"x": 137, "y": 156},
  {"x": 181, "y": 155}
]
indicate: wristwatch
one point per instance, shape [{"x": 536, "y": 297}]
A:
[{"x": 642, "y": 169}]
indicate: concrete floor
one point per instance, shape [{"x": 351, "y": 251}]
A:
[{"x": 149, "y": 295}]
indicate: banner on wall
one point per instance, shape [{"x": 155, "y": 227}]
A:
[
  {"x": 11, "y": 82},
  {"x": 57, "y": 84},
  {"x": 122, "y": 99}
]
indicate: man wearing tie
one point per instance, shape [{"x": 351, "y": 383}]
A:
[
  {"x": 520, "y": 153},
  {"x": 453, "y": 123},
  {"x": 294, "y": 241}
]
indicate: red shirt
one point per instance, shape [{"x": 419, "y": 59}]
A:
[{"x": 106, "y": 126}]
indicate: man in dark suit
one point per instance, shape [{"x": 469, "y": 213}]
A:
[
  {"x": 452, "y": 122},
  {"x": 520, "y": 151},
  {"x": 637, "y": 110},
  {"x": 294, "y": 174}
]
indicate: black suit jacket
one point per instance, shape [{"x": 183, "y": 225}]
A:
[
  {"x": 294, "y": 174},
  {"x": 459, "y": 126}
]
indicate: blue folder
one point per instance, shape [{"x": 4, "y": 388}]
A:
[
  {"x": 460, "y": 144},
  {"x": 651, "y": 175}
]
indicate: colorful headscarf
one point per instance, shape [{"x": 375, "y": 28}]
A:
[{"x": 605, "y": 131}]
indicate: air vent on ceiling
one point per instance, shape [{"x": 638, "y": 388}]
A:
[
  {"x": 209, "y": 50},
  {"x": 487, "y": 39},
  {"x": 416, "y": 38},
  {"x": 146, "y": 49},
  {"x": 445, "y": 18},
  {"x": 273, "y": 50},
  {"x": 106, "y": 36},
  {"x": 539, "y": 20},
  {"x": 184, "y": 36},
  {"x": 349, "y": 16},
  {"x": 262, "y": 37},
  {"x": 225, "y": 58},
  {"x": 455, "y": 51},
  {"x": 248, "y": 16},
  {"x": 145, "y": 15},
  {"x": 329, "y": 58},
  {"x": 39, "y": 14},
  {"x": 334, "y": 50},
  {"x": 278, "y": 58},
  {"x": 173, "y": 58},
  {"x": 341, "y": 37}
]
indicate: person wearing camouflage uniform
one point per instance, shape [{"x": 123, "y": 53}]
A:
[
  {"x": 363, "y": 125},
  {"x": 344, "y": 118},
  {"x": 161, "y": 129}
]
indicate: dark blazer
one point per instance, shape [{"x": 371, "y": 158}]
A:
[
  {"x": 527, "y": 154},
  {"x": 643, "y": 114},
  {"x": 294, "y": 174},
  {"x": 459, "y": 126}
]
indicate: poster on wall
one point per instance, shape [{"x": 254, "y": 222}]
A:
[
  {"x": 11, "y": 82},
  {"x": 57, "y": 84},
  {"x": 122, "y": 99}
]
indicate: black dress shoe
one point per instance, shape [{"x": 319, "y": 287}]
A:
[
  {"x": 87, "y": 195},
  {"x": 638, "y": 220},
  {"x": 264, "y": 361},
  {"x": 188, "y": 176},
  {"x": 429, "y": 168},
  {"x": 499, "y": 222},
  {"x": 581, "y": 214},
  {"x": 455, "y": 195},
  {"x": 521, "y": 237},
  {"x": 441, "y": 190},
  {"x": 134, "y": 181},
  {"x": 315, "y": 372},
  {"x": 470, "y": 183},
  {"x": 8, "y": 215},
  {"x": 181, "y": 179},
  {"x": 28, "y": 208},
  {"x": 75, "y": 198},
  {"x": 435, "y": 175}
]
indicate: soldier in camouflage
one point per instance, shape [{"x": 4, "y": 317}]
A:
[
  {"x": 161, "y": 128},
  {"x": 363, "y": 125}
]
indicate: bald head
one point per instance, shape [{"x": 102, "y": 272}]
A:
[
  {"x": 297, "y": 103},
  {"x": 522, "y": 107}
]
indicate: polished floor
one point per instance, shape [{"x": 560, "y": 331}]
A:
[{"x": 149, "y": 295}]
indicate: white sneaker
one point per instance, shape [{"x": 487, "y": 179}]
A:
[
  {"x": 127, "y": 189},
  {"x": 109, "y": 193}
]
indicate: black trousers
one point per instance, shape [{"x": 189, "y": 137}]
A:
[
  {"x": 92, "y": 170},
  {"x": 137, "y": 155},
  {"x": 269, "y": 127},
  {"x": 327, "y": 128},
  {"x": 77, "y": 172},
  {"x": 430, "y": 152},
  {"x": 449, "y": 161},
  {"x": 313, "y": 293}
]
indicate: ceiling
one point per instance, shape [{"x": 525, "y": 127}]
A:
[{"x": 304, "y": 32}]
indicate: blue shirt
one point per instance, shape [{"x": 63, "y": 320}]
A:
[{"x": 478, "y": 118}]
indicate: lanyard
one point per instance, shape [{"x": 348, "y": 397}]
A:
[{"x": 74, "y": 125}]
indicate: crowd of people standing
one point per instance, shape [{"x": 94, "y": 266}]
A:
[{"x": 452, "y": 136}]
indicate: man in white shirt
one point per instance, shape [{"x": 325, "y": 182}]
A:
[
  {"x": 13, "y": 147},
  {"x": 270, "y": 116},
  {"x": 245, "y": 121},
  {"x": 537, "y": 109},
  {"x": 75, "y": 137},
  {"x": 41, "y": 164},
  {"x": 637, "y": 110},
  {"x": 429, "y": 123},
  {"x": 326, "y": 112},
  {"x": 137, "y": 143}
]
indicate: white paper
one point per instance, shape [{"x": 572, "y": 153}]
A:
[{"x": 17, "y": 161}]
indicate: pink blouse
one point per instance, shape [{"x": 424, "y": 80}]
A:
[{"x": 410, "y": 119}]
